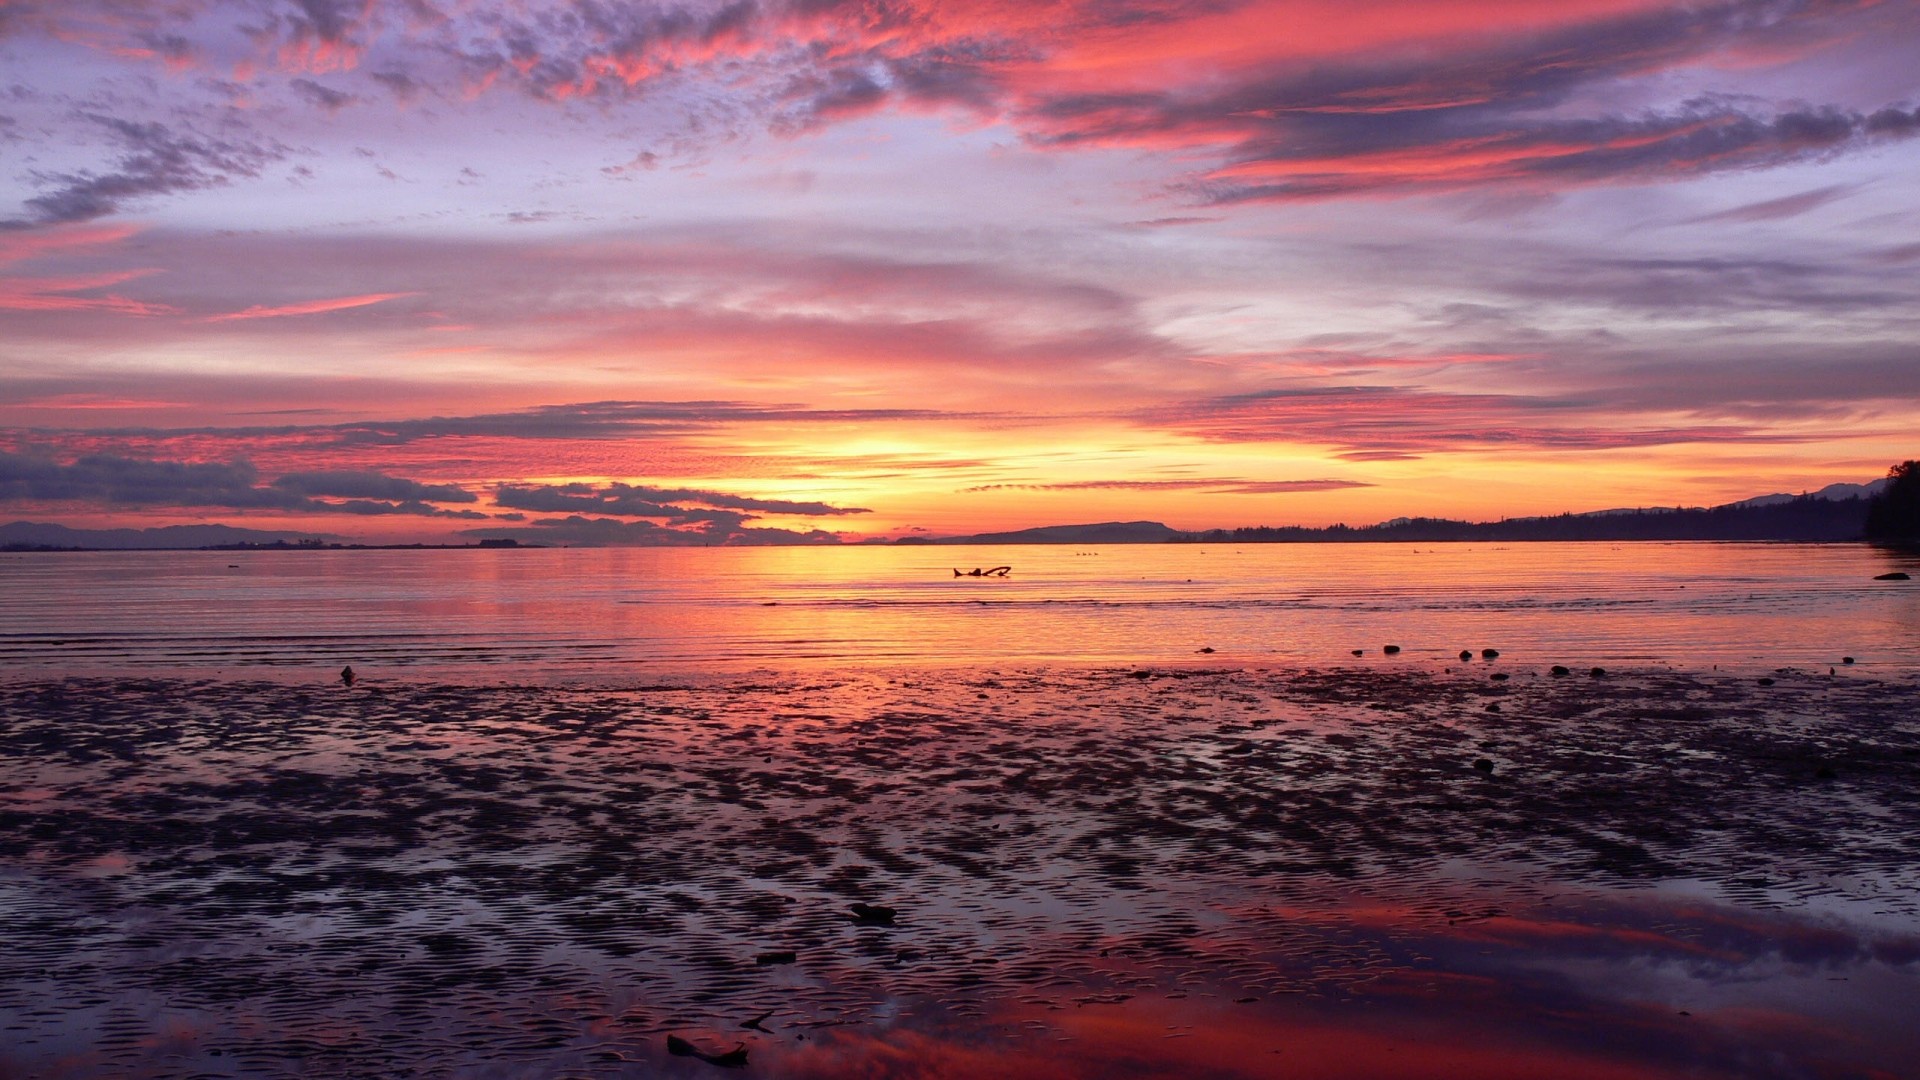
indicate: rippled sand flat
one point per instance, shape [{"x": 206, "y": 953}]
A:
[{"x": 1161, "y": 872}]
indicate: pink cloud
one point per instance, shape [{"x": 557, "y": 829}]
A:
[
  {"x": 54, "y": 294},
  {"x": 310, "y": 307},
  {"x": 1382, "y": 97},
  {"x": 1213, "y": 485},
  {"x": 21, "y": 245}
]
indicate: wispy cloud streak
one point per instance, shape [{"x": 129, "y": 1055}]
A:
[
  {"x": 309, "y": 307},
  {"x": 1219, "y": 486}
]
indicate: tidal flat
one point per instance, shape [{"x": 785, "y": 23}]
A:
[{"x": 1236, "y": 872}]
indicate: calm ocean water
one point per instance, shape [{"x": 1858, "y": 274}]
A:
[{"x": 613, "y": 614}]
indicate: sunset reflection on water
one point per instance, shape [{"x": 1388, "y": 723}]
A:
[{"x": 599, "y": 614}]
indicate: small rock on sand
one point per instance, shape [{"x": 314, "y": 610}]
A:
[
  {"x": 1390, "y": 650},
  {"x": 1561, "y": 669},
  {"x": 1598, "y": 673},
  {"x": 735, "y": 1058},
  {"x": 1846, "y": 659},
  {"x": 1489, "y": 654},
  {"x": 783, "y": 956},
  {"x": 1466, "y": 654},
  {"x": 1359, "y": 652},
  {"x": 873, "y": 914},
  {"x": 1483, "y": 765},
  {"x": 1499, "y": 676},
  {"x": 1895, "y": 576}
]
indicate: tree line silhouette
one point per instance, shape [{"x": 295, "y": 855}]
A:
[{"x": 1894, "y": 514}]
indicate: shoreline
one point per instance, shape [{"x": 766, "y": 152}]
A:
[
  {"x": 752, "y": 672},
  {"x": 1090, "y": 838}
]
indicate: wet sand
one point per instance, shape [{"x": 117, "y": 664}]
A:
[{"x": 1150, "y": 872}]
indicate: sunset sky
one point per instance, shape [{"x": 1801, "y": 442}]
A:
[{"x": 596, "y": 271}]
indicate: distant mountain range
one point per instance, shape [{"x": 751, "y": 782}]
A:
[
  {"x": 1832, "y": 493},
  {"x": 1835, "y": 512}
]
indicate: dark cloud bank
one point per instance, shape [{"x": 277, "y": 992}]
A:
[
  {"x": 115, "y": 481},
  {"x": 660, "y": 516}
]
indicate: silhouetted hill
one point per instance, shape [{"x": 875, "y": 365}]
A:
[
  {"x": 1106, "y": 532},
  {"x": 1804, "y": 518},
  {"x": 1836, "y": 512}
]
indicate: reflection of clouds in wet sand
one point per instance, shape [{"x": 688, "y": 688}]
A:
[
  {"x": 1481, "y": 1035},
  {"x": 1174, "y": 870}
]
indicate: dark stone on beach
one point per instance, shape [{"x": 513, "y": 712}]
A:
[
  {"x": 1895, "y": 576},
  {"x": 873, "y": 914},
  {"x": 1359, "y": 652},
  {"x": 1493, "y": 706},
  {"x": 346, "y": 675},
  {"x": 1561, "y": 669},
  {"x": 1466, "y": 654},
  {"x": 1766, "y": 682},
  {"x": 1390, "y": 650},
  {"x": 1598, "y": 673},
  {"x": 1499, "y": 676},
  {"x": 1206, "y": 648},
  {"x": 1483, "y": 765},
  {"x": 735, "y": 1058},
  {"x": 1143, "y": 674},
  {"x": 1846, "y": 659},
  {"x": 1489, "y": 654},
  {"x": 766, "y": 959}
]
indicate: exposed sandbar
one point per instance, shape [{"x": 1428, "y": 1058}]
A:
[{"x": 399, "y": 876}]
